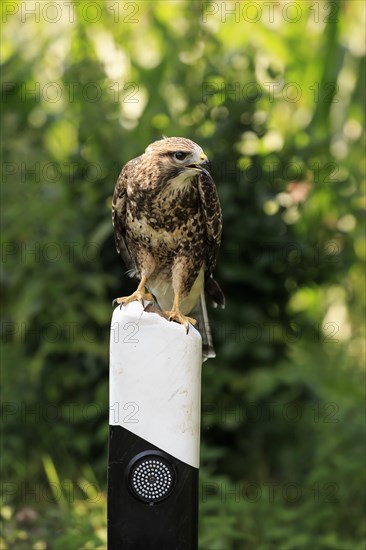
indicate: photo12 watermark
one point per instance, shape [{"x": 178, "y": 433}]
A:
[
  {"x": 270, "y": 492},
  {"x": 51, "y": 252},
  {"x": 68, "y": 332},
  {"x": 120, "y": 11},
  {"x": 269, "y": 12},
  {"x": 291, "y": 412},
  {"x": 251, "y": 92},
  {"x": 49, "y": 413},
  {"x": 65, "y": 491},
  {"x": 275, "y": 171},
  {"x": 69, "y": 92}
]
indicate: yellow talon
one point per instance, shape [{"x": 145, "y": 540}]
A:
[
  {"x": 138, "y": 296},
  {"x": 176, "y": 315},
  {"x": 135, "y": 296}
]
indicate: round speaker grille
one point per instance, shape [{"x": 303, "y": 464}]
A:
[{"x": 152, "y": 478}]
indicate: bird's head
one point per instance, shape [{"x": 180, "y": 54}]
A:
[{"x": 177, "y": 157}]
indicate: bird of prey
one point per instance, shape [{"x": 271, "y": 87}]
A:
[{"x": 167, "y": 226}]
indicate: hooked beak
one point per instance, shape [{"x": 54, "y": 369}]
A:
[{"x": 204, "y": 163}]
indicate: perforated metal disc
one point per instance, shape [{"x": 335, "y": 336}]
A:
[{"x": 151, "y": 477}]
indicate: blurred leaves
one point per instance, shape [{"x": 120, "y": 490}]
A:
[{"x": 276, "y": 101}]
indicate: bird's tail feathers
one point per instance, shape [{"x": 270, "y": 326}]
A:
[
  {"x": 203, "y": 325},
  {"x": 214, "y": 295}
]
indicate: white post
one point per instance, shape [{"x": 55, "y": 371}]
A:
[{"x": 155, "y": 396}]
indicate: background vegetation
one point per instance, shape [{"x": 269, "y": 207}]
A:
[{"x": 273, "y": 92}]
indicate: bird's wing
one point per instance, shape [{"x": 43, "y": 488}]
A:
[
  {"x": 119, "y": 201},
  {"x": 211, "y": 211}
]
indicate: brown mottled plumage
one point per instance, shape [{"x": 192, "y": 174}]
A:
[{"x": 167, "y": 225}]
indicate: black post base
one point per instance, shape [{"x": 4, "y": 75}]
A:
[{"x": 152, "y": 496}]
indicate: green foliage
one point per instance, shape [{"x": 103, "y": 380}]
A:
[
  {"x": 303, "y": 461},
  {"x": 289, "y": 343},
  {"x": 82, "y": 525}
]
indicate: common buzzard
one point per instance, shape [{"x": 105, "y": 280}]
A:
[{"x": 167, "y": 225}]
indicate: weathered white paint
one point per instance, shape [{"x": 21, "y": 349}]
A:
[{"x": 155, "y": 381}]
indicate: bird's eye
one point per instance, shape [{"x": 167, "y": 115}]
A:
[{"x": 180, "y": 155}]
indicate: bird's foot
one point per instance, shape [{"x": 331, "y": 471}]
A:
[
  {"x": 176, "y": 315},
  {"x": 137, "y": 296}
]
